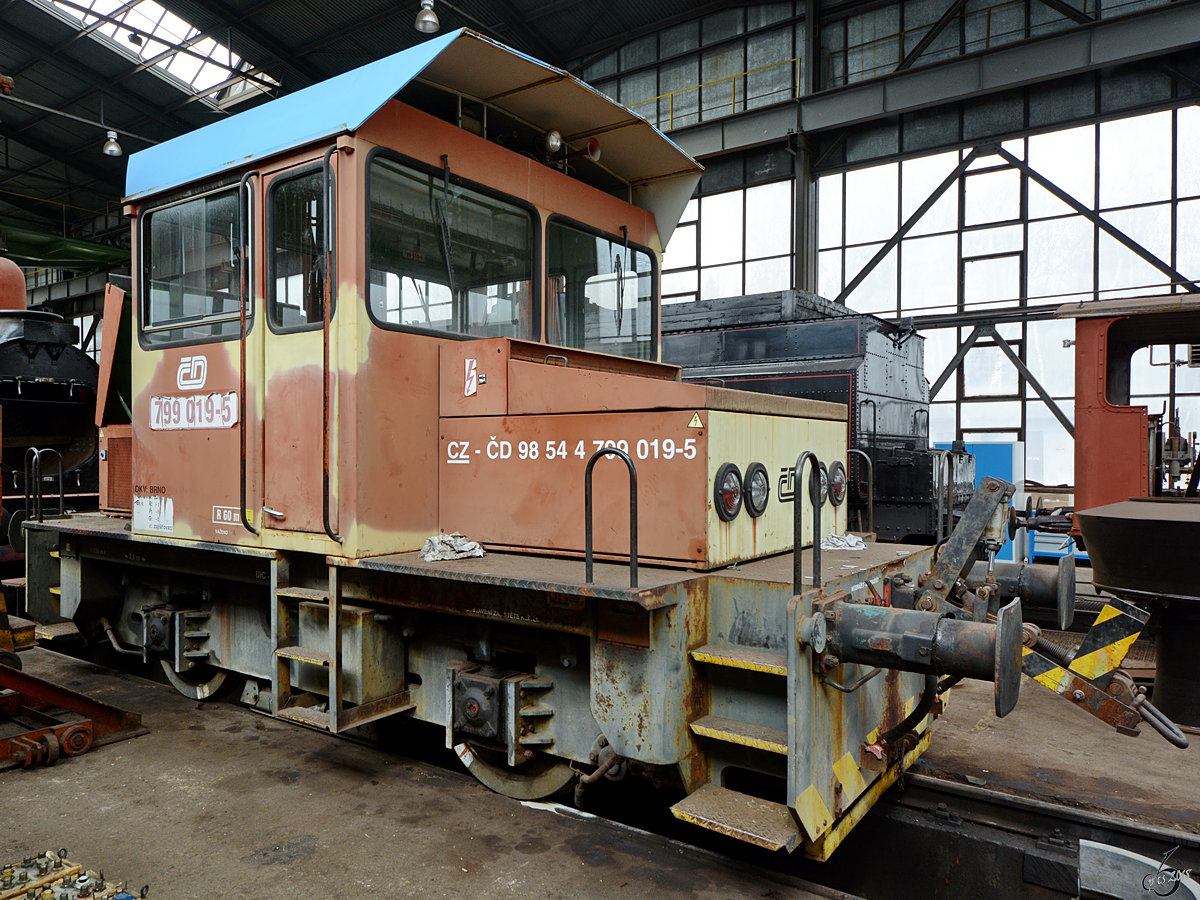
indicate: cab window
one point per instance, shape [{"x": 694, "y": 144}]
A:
[
  {"x": 296, "y": 242},
  {"x": 190, "y": 274},
  {"x": 448, "y": 258},
  {"x": 601, "y": 292}
]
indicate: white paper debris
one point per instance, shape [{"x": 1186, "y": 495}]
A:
[
  {"x": 449, "y": 546},
  {"x": 843, "y": 542}
]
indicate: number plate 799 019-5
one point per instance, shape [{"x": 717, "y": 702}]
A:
[{"x": 217, "y": 410}]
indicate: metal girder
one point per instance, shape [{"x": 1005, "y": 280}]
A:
[
  {"x": 931, "y": 35},
  {"x": 1066, "y": 10},
  {"x": 1100, "y": 45},
  {"x": 1029, "y": 376},
  {"x": 1094, "y": 217},
  {"x": 63, "y": 156},
  {"x": 955, "y": 362},
  {"x": 987, "y": 329},
  {"x": 908, "y": 224}
]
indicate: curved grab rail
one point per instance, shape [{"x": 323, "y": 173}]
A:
[
  {"x": 587, "y": 503},
  {"x": 33, "y": 483},
  {"x": 814, "y": 485},
  {"x": 917, "y": 412},
  {"x": 870, "y": 486}
]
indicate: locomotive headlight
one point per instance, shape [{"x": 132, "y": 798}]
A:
[
  {"x": 727, "y": 492},
  {"x": 818, "y": 489},
  {"x": 758, "y": 489},
  {"x": 837, "y": 483}
]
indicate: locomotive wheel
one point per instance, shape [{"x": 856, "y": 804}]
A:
[
  {"x": 10, "y": 659},
  {"x": 198, "y": 683},
  {"x": 539, "y": 778}
]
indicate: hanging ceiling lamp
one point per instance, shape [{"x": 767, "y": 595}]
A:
[{"x": 427, "y": 20}]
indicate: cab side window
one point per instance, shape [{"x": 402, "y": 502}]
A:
[{"x": 296, "y": 252}]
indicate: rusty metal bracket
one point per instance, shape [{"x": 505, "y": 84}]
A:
[
  {"x": 49, "y": 721},
  {"x": 982, "y": 522}
]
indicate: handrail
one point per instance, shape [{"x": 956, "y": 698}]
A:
[
  {"x": 917, "y": 412},
  {"x": 814, "y": 486},
  {"x": 33, "y": 476},
  {"x": 330, "y": 207},
  {"x": 243, "y": 293},
  {"x": 633, "y": 508},
  {"x": 945, "y": 495},
  {"x": 870, "y": 486}
]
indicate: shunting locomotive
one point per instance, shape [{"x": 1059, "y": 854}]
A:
[{"x": 416, "y": 307}]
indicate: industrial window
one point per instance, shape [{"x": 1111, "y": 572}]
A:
[
  {"x": 602, "y": 292},
  {"x": 446, "y": 258},
  {"x": 296, "y": 280},
  {"x": 190, "y": 276}
]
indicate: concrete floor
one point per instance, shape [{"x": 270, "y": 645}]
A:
[
  {"x": 217, "y": 801},
  {"x": 1049, "y": 749}
]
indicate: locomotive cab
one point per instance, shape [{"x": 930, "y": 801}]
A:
[{"x": 333, "y": 333}]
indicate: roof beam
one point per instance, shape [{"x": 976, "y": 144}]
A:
[
  {"x": 66, "y": 157},
  {"x": 1155, "y": 32}
]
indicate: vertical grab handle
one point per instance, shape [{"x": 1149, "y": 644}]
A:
[
  {"x": 814, "y": 496},
  {"x": 870, "y": 485},
  {"x": 243, "y": 295},
  {"x": 633, "y": 507},
  {"x": 329, "y": 200}
]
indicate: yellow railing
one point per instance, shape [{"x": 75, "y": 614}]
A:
[{"x": 699, "y": 114}]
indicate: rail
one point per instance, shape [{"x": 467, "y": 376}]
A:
[
  {"x": 633, "y": 511},
  {"x": 33, "y": 483},
  {"x": 814, "y": 495},
  {"x": 870, "y": 486}
]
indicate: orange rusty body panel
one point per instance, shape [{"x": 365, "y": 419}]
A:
[
  {"x": 1112, "y": 453},
  {"x": 498, "y": 376},
  {"x": 396, "y": 438},
  {"x": 183, "y": 478},
  {"x": 519, "y": 481},
  {"x": 534, "y": 391}
]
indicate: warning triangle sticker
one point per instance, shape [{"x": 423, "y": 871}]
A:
[{"x": 695, "y": 423}]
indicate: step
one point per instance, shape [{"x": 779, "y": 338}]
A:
[
  {"x": 13, "y": 582},
  {"x": 304, "y": 654},
  {"x": 373, "y": 710},
  {"x": 773, "y": 740},
  {"x": 760, "y": 822},
  {"x": 306, "y": 715},
  {"x": 753, "y": 659},
  {"x": 58, "y": 631},
  {"x": 303, "y": 593}
]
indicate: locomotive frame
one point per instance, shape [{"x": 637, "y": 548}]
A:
[{"x": 294, "y": 445}]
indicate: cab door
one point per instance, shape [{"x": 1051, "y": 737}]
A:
[{"x": 297, "y": 387}]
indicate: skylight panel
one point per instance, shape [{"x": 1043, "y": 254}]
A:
[{"x": 145, "y": 30}]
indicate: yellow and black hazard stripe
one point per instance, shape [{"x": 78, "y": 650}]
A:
[
  {"x": 1108, "y": 641},
  {"x": 1102, "y": 650}
]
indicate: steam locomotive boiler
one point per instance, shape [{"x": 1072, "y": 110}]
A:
[
  {"x": 47, "y": 403},
  {"x": 415, "y": 309}
]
